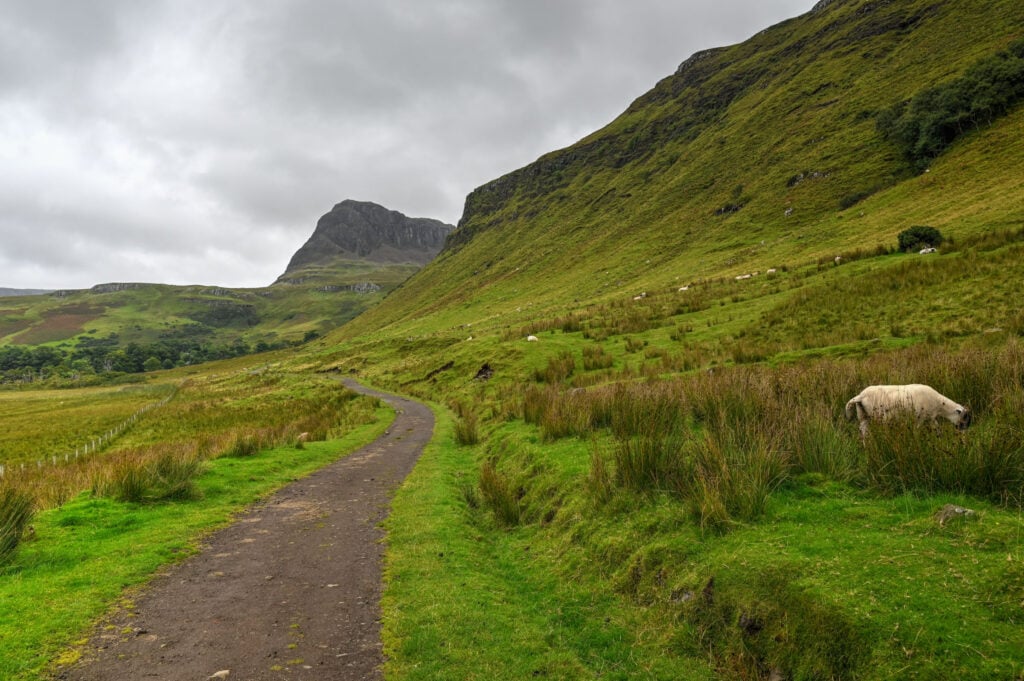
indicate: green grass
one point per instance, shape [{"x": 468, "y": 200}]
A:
[
  {"x": 465, "y": 600},
  {"x": 831, "y": 582},
  {"x": 92, "y": 551}
]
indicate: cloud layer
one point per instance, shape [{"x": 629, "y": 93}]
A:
[{"x": 198, "y": 141}]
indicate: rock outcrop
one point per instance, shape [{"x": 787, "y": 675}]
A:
[{"x": 359, "y": 230}]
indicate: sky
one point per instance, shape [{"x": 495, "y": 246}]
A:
[{"x": 199, "y": 141}]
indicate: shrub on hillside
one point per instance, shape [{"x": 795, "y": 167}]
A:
[
  {"x": 919, "y": 236},
  {"x": 933, "y": 119}
]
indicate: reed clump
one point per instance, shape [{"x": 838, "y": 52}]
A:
[
  {"x": 724, "y": 440},
  {"x": 499, "y": 495},
  {"x": 159, "y": 474},
  {"x": 16, "y": 510}
]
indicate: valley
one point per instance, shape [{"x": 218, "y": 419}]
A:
[{"x": 662, "y": 483}]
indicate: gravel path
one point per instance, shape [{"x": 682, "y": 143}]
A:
[{"x": 289, "y": 591}]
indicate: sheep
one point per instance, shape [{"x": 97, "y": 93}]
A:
[
  {"x": 532, "y": 339},
  {"x": 926, "y": 251},
  {"x": 883, "y": 401}
]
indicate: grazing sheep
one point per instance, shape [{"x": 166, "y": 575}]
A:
[
  {"x": 532, "y": 339},
  {"x": 926, "y": 251},
  {"x": 882, "y": 401}
]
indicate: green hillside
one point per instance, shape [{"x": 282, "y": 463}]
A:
[
  {"x": 663, "y": 484},
  {"x": 761, "y": 155},
  {"x": 119, "y": 326}
]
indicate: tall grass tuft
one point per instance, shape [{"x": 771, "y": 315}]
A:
[
  {"x": 174, "y": 475},
  {"x": 595, "y": 357},
  {"x": 499, "y": 496},
  {"x": 600, "y": 480},
  {"x": 466, "y": 430},
  {"x": 651, "y": 462},
  {"x": 138, "y": 476},
  {"x": 16, "y": 509},
  {"x": 558, "y": 369},
  {"x": 732, "y": 474}
]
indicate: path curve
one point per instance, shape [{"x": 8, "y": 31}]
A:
[{"x": 291, "y": 590}]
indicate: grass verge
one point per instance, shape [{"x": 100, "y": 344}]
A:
[{"x": 467, "y": 599}]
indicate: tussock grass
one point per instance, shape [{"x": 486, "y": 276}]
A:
[
  {"x": 557, "y": 370},
  {"x": 16, "y": 509},
  {"x": 499, "y": 495},
  {"x": 157, "y": 474},
  {"x": 726, "y": 439},
  {"x": 236, "y": 414}
]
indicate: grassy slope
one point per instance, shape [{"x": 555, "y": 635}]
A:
[
  {"x": 651, "y": 222},
  {"x": 868, "y": 583},
  {"x": 149, "y": 312}
]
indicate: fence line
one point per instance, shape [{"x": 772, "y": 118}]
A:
[{"x": 95, "y": 444}]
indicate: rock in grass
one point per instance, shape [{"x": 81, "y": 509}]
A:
[{"x": 951, "y": 512}]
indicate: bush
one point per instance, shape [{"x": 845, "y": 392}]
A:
[
  {"x": 934, "y": 118},
  {"x": 918, "y": 237}
]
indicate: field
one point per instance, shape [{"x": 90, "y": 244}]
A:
[{"x": 106, "y": 522}]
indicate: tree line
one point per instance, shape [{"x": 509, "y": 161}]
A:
[{"x": 107, "y": 357}]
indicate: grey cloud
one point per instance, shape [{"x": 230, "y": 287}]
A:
[{"x": 201, "y": 139}]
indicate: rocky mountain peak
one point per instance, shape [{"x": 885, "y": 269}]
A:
[{"x": 365, "y": 231}]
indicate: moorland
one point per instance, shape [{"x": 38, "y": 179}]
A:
[{"x": 664, "y": 483}]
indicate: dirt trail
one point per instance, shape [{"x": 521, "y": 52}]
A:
[{"x": 289, "y": 591}]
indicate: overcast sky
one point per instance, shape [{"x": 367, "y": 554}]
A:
[{"x": 198, "y": 141}]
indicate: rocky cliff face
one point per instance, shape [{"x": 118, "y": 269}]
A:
[{"x": 359, "y": 230}]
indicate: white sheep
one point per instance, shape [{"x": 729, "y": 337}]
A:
[
  {"x": 532, "y": 339},
  {"x": 879, "y": 402}
]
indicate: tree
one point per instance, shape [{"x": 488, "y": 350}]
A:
[
  {"x": 919, "y": 236},
  {"x": 152, "y": 364}
]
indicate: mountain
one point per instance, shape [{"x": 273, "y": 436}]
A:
[
  {"x": 363, "y": 232},
  {"x": 357, "y": 254},
  {"x": 826, "y": 134}
]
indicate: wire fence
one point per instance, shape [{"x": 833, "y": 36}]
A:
[{"x": 91, "y": 446}]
